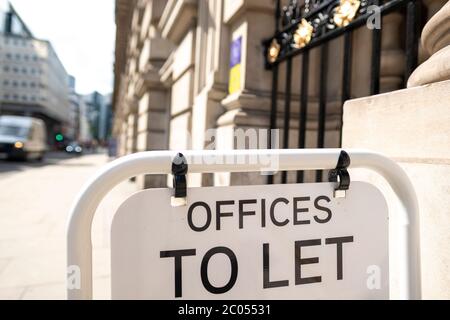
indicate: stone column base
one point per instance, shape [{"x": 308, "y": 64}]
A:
[
  {"x": 435, "y": 69},
  {"x": 411, "y": 126}
]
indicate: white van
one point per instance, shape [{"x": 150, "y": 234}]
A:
[{"x": 22, "y": 138}]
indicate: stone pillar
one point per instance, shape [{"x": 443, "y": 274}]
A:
[
  {"x": 392, "y": 56},
  {"x": 123, "y": 139},
  {"x": 123, "y": 131},
  {"x": 178, "y": 25},
  {"x": 210, "y": 81},
  {"x": 248, "y": 107},
  {"x": 120, "y": 125},
  {"x": 436, "y": 41},
  {"x": 131, "y": 119},
  {"x": 412, "y": 126},
  {"x": 130, "y": 100},
  {"x": 152, "y": 110}
]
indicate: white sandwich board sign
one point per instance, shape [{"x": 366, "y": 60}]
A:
[{"x": 293, "y": 241}]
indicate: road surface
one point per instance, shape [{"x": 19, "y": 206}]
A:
[{"x": 34, "y": 203}]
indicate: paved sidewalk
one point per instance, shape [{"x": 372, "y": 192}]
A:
[{"x": 34, "y": 205}]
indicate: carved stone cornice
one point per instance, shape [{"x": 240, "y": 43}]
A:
[
  {"x": 178, "y": 16},
  {"x": 148, "y": 80},
  {"x": 123, "y": 15},
  {"x": 130, "y": 106},
  {"x": 166, "y": 71}
]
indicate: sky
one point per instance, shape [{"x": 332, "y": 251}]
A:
[{"x": 82, "y": 33}]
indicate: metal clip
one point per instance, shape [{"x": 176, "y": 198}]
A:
[
  {"x": 341, "y": 175},
  {"x": 179, "y": 171}
]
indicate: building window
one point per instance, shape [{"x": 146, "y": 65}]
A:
[
  {"x": 33, "y": 85},
  {"x": 15, "y": 97},
  {"x": 35, "y": 58},
  {"x": 26, "y": 57},
  {"x": 15, "y": 84},
  {"x": 6, "y": 68},
  {"x": 24, "y": 84},
  {"x": 6, "y": 96},
  {"x": 33, "y": 71},
  {"x": 6, "y": 82},
  {"x": 24, "y": 98},
  {"x": 24, "y": 70},
  {"x": 17, "y": 56},
  {"x": 33, "y": 98},
  {"x": 15, "y": 69},
  {"x": 8, "y": 56}
]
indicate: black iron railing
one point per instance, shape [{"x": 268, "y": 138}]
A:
[{"x": 301, "y": 27}]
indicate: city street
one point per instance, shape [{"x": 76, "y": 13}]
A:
[{"x": 35, "y": 201}]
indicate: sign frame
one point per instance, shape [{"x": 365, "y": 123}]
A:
[{"x": 79, "y": 244}]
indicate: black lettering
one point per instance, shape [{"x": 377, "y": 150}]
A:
[
  {"x": 220, "y": 214},
  {"x": 204, "y": 270},
  {"x": 177, "y": 254},
  {"x": 266, "y": 271},
  {"x": 298, "y": 210},
  {"x": 299, "y": 261},
  {"x": 263, "y": 213},
  {"x": 321, "y": 208},
  {"x": 272, "y": 212},
  {"x": 208, "y": 216},
  {"x": 243, "y": 213},
  {"x": 339, "y": 241}
]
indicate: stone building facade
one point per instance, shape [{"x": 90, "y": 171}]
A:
[
  {"x": 412, "y": 126},
  {"x": 172, "y": 76}
]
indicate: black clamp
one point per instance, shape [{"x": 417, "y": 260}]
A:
[
  {"x": 179, "y": 171},
  {"x": 341, "y": 172}
]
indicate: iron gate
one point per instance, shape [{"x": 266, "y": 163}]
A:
[{"x": 314, "y": 23}]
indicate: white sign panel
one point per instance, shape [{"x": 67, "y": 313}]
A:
[{"x": 252, "y": 242}]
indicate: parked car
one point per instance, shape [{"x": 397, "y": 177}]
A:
[
  {"x": 74, "y": 148},
  {"x": 22, "y": 138}
]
